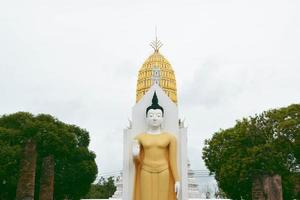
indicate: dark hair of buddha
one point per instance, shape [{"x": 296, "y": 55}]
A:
[{"x": 154, "y": 105}]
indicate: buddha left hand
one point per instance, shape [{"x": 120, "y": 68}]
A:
[{"x": 177, "y": 189}]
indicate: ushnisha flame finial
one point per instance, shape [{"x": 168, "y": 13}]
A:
[{"x": 156, "y": 44}]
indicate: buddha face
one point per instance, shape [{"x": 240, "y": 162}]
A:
[{"x": 154, "y": 117}]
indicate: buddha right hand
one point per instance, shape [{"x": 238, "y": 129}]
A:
[{"x": 135, "y": 148}]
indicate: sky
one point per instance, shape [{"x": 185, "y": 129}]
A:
[{"x": 78, "y": 60}]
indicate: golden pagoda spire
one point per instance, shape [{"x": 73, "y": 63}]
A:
[
  {"x": 156, "y": 70},
  {"x": 156, "y": 44}
]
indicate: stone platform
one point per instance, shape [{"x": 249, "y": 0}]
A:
[{"x": 121, "y": 199}]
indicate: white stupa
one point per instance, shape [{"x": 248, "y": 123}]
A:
[{"x": 156, "y": 75}]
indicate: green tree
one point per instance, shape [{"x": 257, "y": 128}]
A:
[
  {"x": 9, "y": 163},
  {"x": 75, "y": 167},
  {"x": 265, "y": 144},
  {"x": 104, "y": 189}
]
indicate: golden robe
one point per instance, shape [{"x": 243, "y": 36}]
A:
[{"x": 156, "y": 167}]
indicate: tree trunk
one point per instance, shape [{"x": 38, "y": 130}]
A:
[
  {"x": 267, "y": 188},
  {"x": 297, "y": 187},
  {"x": 26, "y": 182},
  {"x": 47, "y": 179}
]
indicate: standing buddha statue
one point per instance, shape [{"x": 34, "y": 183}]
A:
[{"x": 155, "y": 159}]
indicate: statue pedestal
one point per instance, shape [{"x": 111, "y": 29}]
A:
[{"x": 127, "y": 199}]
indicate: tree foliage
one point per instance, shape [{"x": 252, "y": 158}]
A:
[
  {"x": 75, "y": 167},
  {"x": 104, "y": 189},
  {"x": 265, "y": 144}
]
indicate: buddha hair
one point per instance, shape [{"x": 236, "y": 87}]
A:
[{"x": 155, "y": 105}]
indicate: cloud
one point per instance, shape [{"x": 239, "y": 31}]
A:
[
  {"x": 212, "y": 84},
  {"x": 79, "y": 62}
]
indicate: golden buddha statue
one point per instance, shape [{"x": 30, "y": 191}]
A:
[{"x": 155, "y": 158}]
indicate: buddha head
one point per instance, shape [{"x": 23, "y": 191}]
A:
[{"x": 154, "y": 113}]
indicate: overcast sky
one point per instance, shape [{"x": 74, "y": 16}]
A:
[{"x": 78, "y": 60}]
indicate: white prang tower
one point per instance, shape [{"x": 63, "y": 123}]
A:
[{"x": 155, "y": 75}]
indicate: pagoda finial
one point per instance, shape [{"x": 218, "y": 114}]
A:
[{"x": 156, "y": 44}]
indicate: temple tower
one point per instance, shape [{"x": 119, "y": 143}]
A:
[
  {"x": 156, "y": 69},
  {"x": 155, "y": 75}
]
